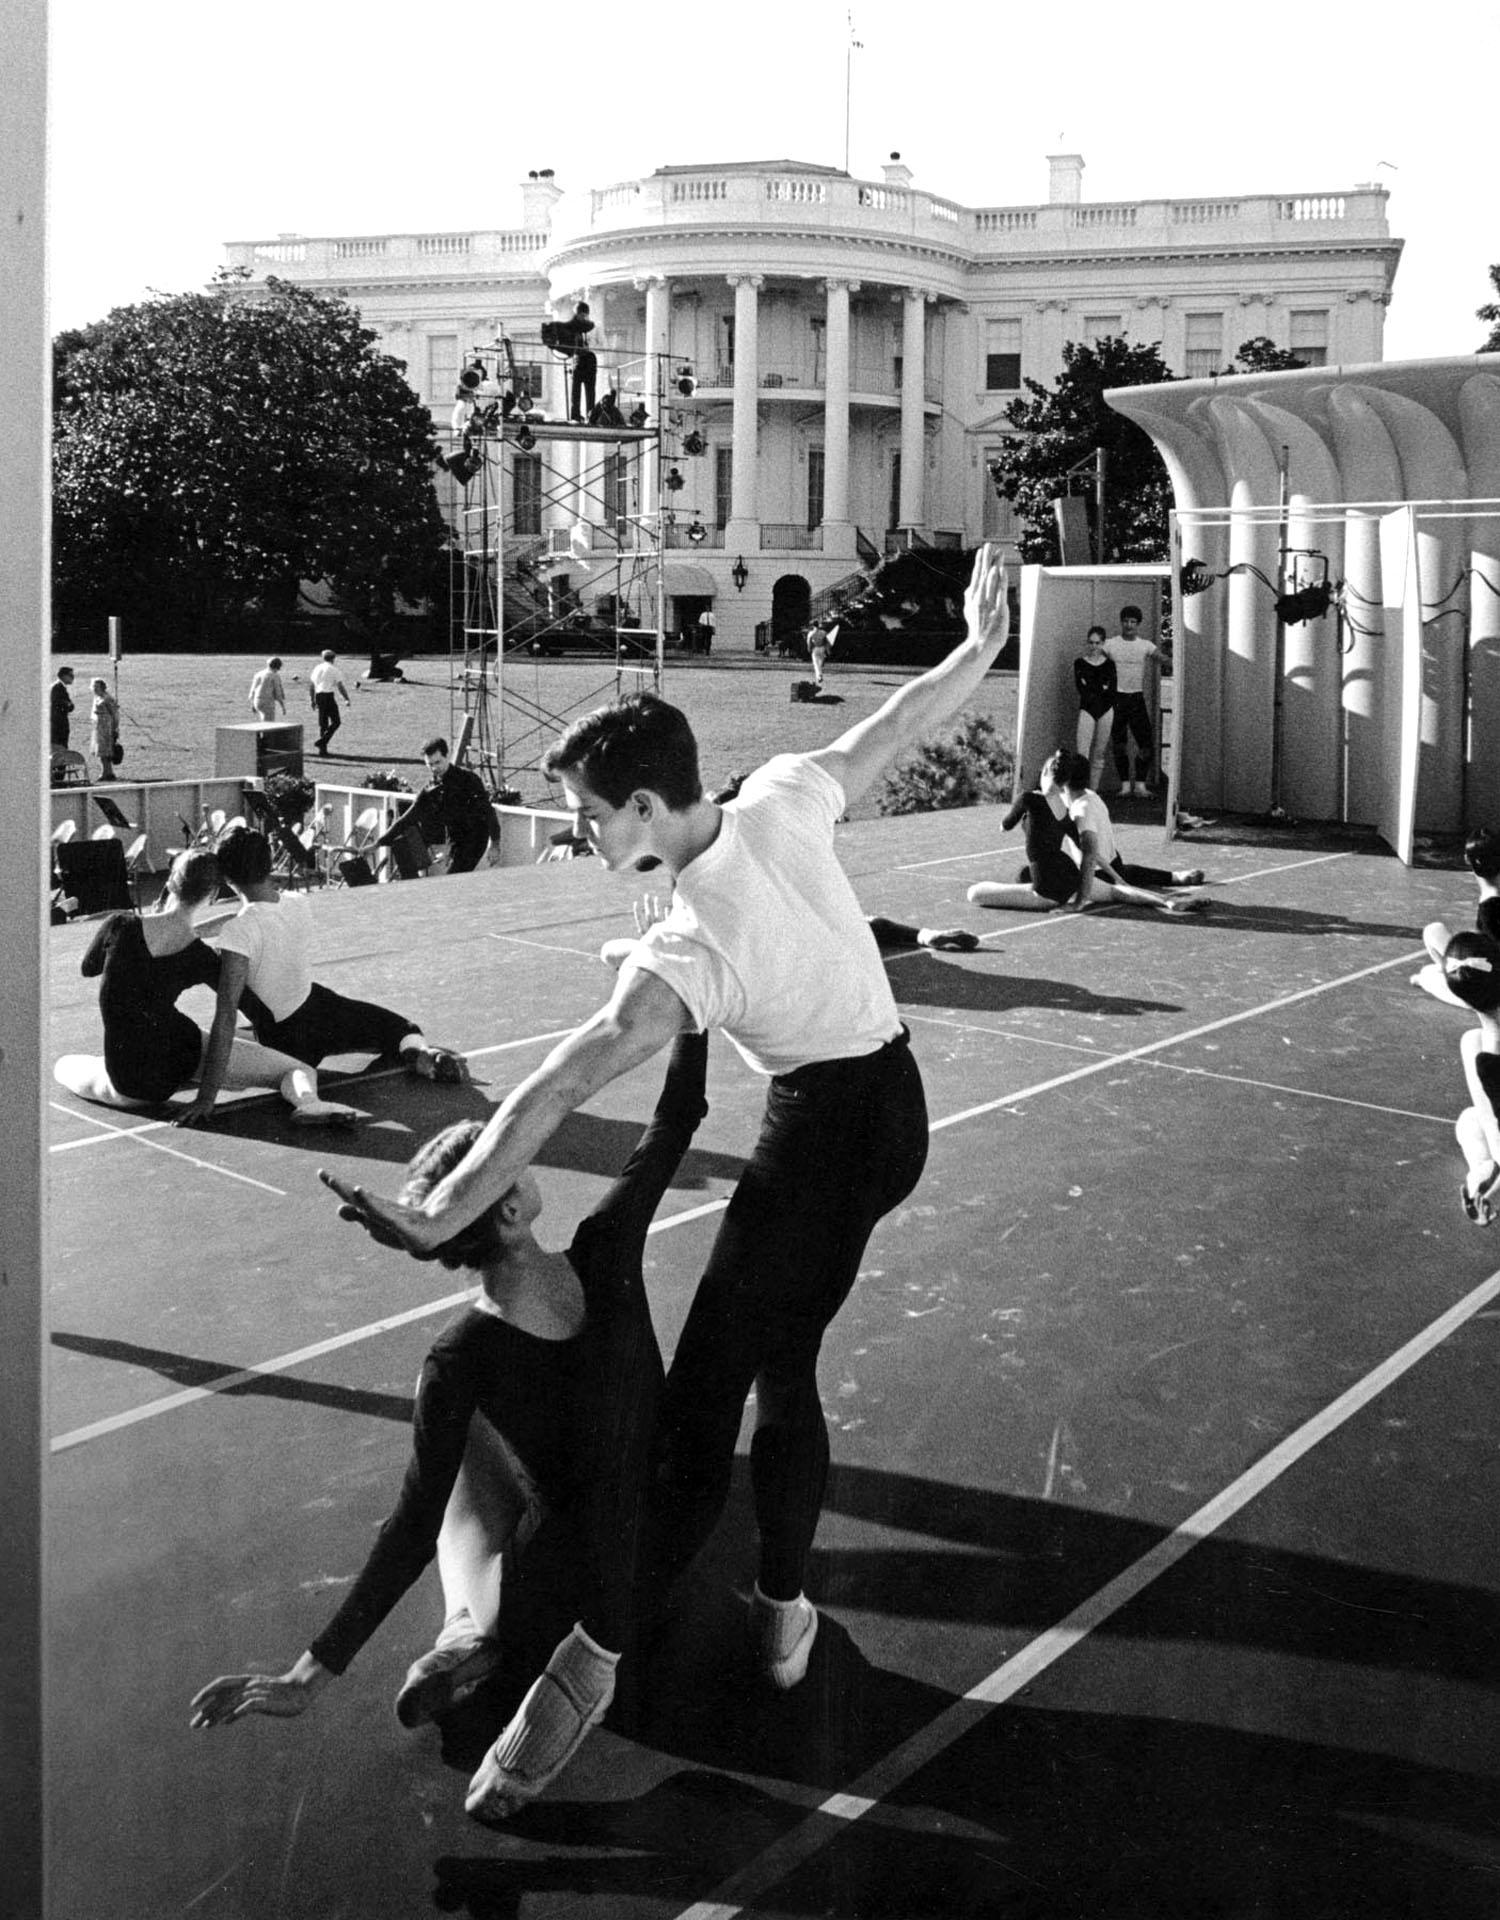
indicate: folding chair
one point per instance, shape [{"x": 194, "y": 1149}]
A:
[
  {"x": 113, "y": 814},
  {"x": 63, "y": 831},
  {"x": 292, "y": 859},
  {"x": 348, "y": 863},
  {"x": 135, "y": 853},
  {"x": 69, "y": 769}
]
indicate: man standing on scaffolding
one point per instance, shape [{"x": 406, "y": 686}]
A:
[{"x": 570, "y": 337}]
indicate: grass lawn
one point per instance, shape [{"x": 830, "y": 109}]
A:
[{"x": 741, "y": 711}]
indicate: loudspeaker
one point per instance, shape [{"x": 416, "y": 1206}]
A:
[
  {"x": 251, "y": 752},
  {"x": 93, "y": 871}
]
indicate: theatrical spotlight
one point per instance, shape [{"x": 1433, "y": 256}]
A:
[
  {"x": 525, "y": 439},
  {"x": 463, "y": 466},
  {"x": 697, "y": 533},
  {"x": 1194, "y": 577},
  {"x": 695, "y": 443},
  {"x": 674, "y": 482},
  {"x": 638, "y": 415},
  {"x": 471, "y": 379},
  {"x": 1307, "y": 603},
  {"x": 687, "y": 386}
]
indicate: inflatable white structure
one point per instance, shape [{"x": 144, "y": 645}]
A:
[{"x": 1336, "y": 558}]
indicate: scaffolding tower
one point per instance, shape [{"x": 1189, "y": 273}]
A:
[{"x": 537, "y": 502}]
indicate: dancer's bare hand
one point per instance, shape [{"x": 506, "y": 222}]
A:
[
  {"x": 233, "y": 1695},
  {"x": 195, "y": 1113},
  {"x": 390, "y": 1222},
  {"x": 987, "y": 603},
  {"x": 647, "y": 911}
]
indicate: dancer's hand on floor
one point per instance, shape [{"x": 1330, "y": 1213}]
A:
[
  {"x": 194, "y": 1114},
  {"x": 390, "y": 1222},
  {"x": 282, "y": 1696}
]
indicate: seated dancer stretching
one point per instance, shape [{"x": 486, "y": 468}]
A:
[
  {"x": 538, "y": 1397},
  {"x": 151, "y": 1050},
  {"x": 1063, "y": 868},
  {"x": 265, "y": 953}
]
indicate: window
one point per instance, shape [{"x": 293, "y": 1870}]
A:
[
  {"x": 1002, "y": 356},
  {"x": 1310, "y": 337},
  {"x": 442, "y": 368},
  {"x": 814, "y": 487},
  {"x": 1101, "y": 326},
  {"x": 526, "y": 493},
  {"x": 723, "y": 484},
  {"x": 1204, "y": 345}
]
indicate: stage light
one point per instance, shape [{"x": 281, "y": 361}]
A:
[
  {"x": 687, "y": 386},
  {"x": 674, "y": 482},
  {"x": 1194, "y": 577},
  {"x": 697, "y": 533},
  {"x": 1307, "y": 603},
  {"x": 695, "y": 443},
  {"x": 463, "y": 466},
  {"x": 638, "y": 415},
  {"x": 471, "y": 379},
  {"x": 739, "y": 573},
  {"x": 525, "y": 439}
]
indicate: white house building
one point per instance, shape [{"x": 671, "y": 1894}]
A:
[{"x": 854, "y": 343}]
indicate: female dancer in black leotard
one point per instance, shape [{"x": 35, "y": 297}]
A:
[
  {"x": 151, "y": 1051},
  {"x": 1054, "y": 870},
  {"x": 1094, "y": 678},
  {"x": 559, "y": 1358}
]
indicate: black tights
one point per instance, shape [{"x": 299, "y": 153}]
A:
[{"x": 842, "y": 1142}]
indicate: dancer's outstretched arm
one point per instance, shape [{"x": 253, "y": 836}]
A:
[
  {"x": 642, "y": 1016},
  {"x": 860, "y": 756}
]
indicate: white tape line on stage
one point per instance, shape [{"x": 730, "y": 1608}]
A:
[{"x": 865, "y": 1794}]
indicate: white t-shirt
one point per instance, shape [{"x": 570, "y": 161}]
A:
[
  {"x": 1090, "y": 815},
  {"x": 1130, "y": 657},
  {"x": 277, "y": 942},
  {"x": 765, "y": 938},
  {"x": 325, "y": 677}
]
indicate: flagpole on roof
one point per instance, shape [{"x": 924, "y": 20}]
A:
[{"x": 849, "y": 85}]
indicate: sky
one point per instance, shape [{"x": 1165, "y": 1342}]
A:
[{"x": 176, "y": 127}]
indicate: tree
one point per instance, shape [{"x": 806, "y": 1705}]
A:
[
  {"x": 1491, "y": 311},
  {"x": 1262, "y": 355},
  {"x": 212, "y": 451},
  {"x": 1060, "y": 430}
]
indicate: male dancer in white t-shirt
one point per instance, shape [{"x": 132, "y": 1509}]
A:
[
  {"x": 1130, "y": 652},
  {"x": 766, "y": 940}
]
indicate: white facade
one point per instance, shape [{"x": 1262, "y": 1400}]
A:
[{"x": 855, "y": 343}]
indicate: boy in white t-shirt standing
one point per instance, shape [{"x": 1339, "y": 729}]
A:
[
  {"x": 1130, "y": 652},
  {"x": 766, "y": 940}
]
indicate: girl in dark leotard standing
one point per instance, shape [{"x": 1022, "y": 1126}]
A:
[
  {"x": 1094, "y": 679},
  {"x": 151, "y": 1050}
]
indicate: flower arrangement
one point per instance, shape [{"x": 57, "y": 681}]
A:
[
  {"x": 388, "y": 782},
  {"x": 291, "y": 796}
]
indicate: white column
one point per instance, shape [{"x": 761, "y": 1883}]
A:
[
  {"x": 913, "y": 384},
  {"x": 836, "y": 412},
  {"x": 658, "y": 308},
  {"x": 744, "y": 528}
]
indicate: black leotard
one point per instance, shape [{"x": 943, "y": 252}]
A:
[
  {"x": 574, "y": 1415},
  {"x": 1054, "y": 873},
  {"x": 1095, "y": 682},
  {"x": 150, "y": 1049}
]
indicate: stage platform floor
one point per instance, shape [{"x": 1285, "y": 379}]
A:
[{"x": 1159, "y": 1564}]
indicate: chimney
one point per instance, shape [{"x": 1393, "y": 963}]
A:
[
  {"x": 540, "y": 193},
  {"x": 1065, "y": 188},
  {"x": 895, "y": 174}
]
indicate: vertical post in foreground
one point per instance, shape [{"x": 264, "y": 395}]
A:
[{"x": 24, "y": 465}]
